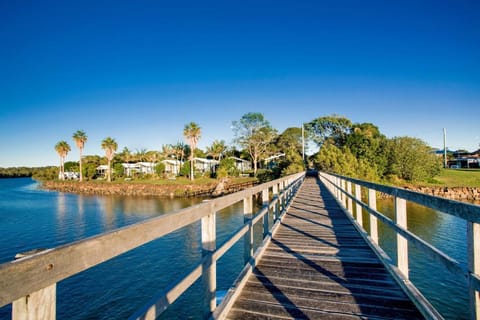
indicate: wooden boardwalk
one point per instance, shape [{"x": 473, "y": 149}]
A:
[{"x": 317, "y": 266}]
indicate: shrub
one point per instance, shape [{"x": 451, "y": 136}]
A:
[
  {"x": 227, "y": 168},
  {"x": 160, "y": 168}
]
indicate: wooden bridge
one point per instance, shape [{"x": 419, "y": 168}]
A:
[
  {"x": 315, "y": 262},
  {"x": 317, "y": 266}
]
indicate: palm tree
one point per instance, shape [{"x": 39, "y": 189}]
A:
[
  {"x": 141, "y": 155},
  {"x": 62, "y": 149},
  {"x": 80, "y": 137},
  {"x": 217, "y": 149},
  {"x": 167, "y": 150},
  {"x": 192, "y": 133},
  {"x": 126, "y": 155},
  {"x": 110, "y": 146}
]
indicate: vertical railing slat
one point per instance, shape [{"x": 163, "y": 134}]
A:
[
  {"x": 265, "y": 202},
  {"x": 358, "y": 196},
  {"x": 402, "y": 243},
  {"x": 473, "y": 238},
  {"x": 37, "y": 305},
  {"x": 372, "y": 203},
  {"x": 209, "y": 273},
  {"x": 248, "y": 238},
  {"x": 349, "y": 199}
]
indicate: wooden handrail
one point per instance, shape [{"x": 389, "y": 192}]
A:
[
  {"x": 31, "y": 274},
  {"x": 468, "y": 212}
]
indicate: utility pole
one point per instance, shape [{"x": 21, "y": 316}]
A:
[
  {"x": 444, "y": 148},
  {"x": 303, "y": 143}
]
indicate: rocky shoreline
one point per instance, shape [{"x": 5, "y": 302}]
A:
[
  {"x": 143, "y": 189},
  {"x": 214, "y": 189},
  {"x": 453, "y": 193}
]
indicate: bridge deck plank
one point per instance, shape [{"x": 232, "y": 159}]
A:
[{"x": 317, "y": 266}]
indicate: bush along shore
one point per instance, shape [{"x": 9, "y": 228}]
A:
[{"x": 147, "y": 189}]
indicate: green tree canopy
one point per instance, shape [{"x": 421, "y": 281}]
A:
[
  {"x": 330, "y": 127},
  {"x": 254, "y": 133},
  {"x": 412, "y": 159},
  {"x": 217, "y": 150},
  {"x": 289, "y": 142},
  {"x": 367, "y": 143}
]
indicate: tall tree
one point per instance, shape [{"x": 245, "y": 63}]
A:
[
  {"x": 167, "y": 150},
  {"x": 192, "y": 133},
  {"x": 126, "y": 155},
  {"x": 62, "y": 148},
  {"x": 217, "y": 149},
  {"x": 181, "y": 150},
  {"x": 141, "y": 155},
  {"x": 411, "y": 159},
  {"x": 110, "y": 146},
  {"x": 332, "y": 127},
  {"x": 290, "y": 143},
  {"x": 80, "y": 138},
  {"x": 254, "y": 133},
  {"x": 367, "y": 143}
]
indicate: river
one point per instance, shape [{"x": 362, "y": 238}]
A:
[{"x": 31, "y": 218}]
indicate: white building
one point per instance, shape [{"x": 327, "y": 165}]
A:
[
  {"x": 69, "y": 175},
  {"x": 172, "y": 166},
  {"x": 142, "y": 168},
  {"x": 242, "y": 164},
  {"x": 102, "y": 170},
  {"x": 205, "y": 165}
]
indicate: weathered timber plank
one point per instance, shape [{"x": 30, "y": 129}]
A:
[
  {"x": 327, "y": 285},
  {"x": 329, "y": 275},
  {"x": 354, "y": 309},
  {"x": 287, "y": 311}
]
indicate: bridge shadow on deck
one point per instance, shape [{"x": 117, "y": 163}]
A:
[{"x": 317, "y": 266}]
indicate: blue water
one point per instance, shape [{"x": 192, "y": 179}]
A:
[
  {"x": 31, "y": 218},
  {"x": 447, "y": 293}
]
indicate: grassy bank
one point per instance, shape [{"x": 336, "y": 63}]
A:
[{"x": 456, "y": 178}]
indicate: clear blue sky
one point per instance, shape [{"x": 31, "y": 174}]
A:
[{"x": 138, "y": 71}]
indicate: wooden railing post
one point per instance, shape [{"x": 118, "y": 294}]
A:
[
  {"x": 349, "y": 199},
  {"x": 402, "y": 243},
  {"x": 41, "y": 304},
  {"x": 358, "y": 209},
  {"x": 37, "y": 305},
  {"x": 248, "y": 238},
  {"x": 265, "y": 202},
  {"x": 209, "y": 272},
  {"x": 343, "y": 195},
  {"x": 473, "y": 238},
  {"x": 372, "y": 203}
]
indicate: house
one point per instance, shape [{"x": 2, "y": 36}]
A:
[
  {"x": 242, "y": 164},
  {"x": 69, "y": 175},
  {"x": 465, "y": 160},
  {"x": 142, "y": 168},
  {"x": 205, "y": 165},
  {"x": 102, "y": 170},
  {"x": 172, "y": 166}
]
